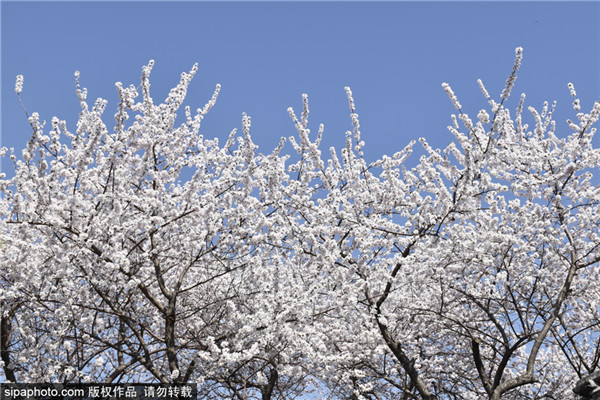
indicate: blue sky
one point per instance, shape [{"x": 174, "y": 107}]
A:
[{"x": 394, "y": 56}]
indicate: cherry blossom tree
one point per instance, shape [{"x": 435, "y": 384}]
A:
[
  {"x": 134, "y": 255},
  {"x": 469, "y": 265},
  {"x": 149, "y": 253}
]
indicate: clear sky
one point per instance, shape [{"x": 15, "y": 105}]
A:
[{"x": 394, "y": 56}]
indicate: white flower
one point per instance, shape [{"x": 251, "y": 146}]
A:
[
  {"x": 452, "y": 96},
  {"x": 19, "y": 84},
  {"x": 513, "y": 75},
  {"x": 99, "y": 362},
  {"x": 483, "y": 116},
  {"x": 483, "y": 89},
  {"x": 572, "y": 89}
]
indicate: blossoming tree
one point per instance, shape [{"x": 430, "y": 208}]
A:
[{"x": 149, "y": 253}]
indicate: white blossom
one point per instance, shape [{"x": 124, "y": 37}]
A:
[
  {"x": 452, "y": 96},
  {"x": 19, "y": 84},
  {"x": 510, "y": 82}
]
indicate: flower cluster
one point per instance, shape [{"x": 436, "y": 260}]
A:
[
  {"x": 19, "y": 84},
  {"x": 510, "y": 82}
]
